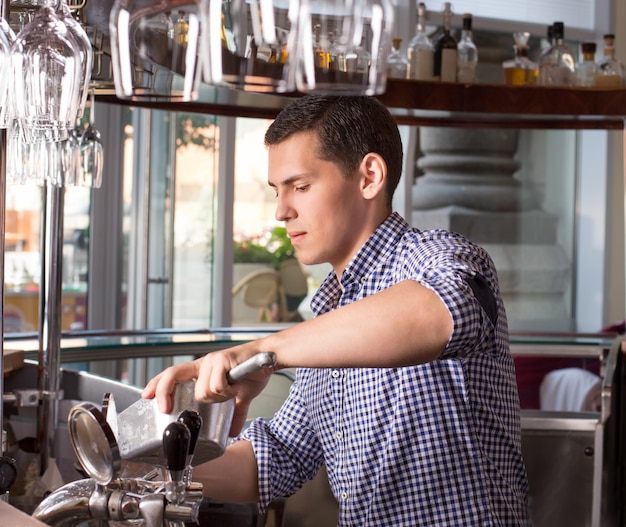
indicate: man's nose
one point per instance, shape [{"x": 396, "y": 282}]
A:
[{"x": 284, "y": 210}]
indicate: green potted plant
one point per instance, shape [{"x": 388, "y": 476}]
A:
[
  {"x": 254, "y": 254},
  {"x": 270, "y": 250}
]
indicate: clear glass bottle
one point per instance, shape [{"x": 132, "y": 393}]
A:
[
  {"x": 446, "y": 49},
  {"x": 557, "y": 66},
  {"x": 549, "y": 40},
  {"x": 397, "y": 64},
  {"x": 357, "y": 59},
  {"x": 420, "y": 51},
  {"x": 586, "y": 68},
  {"x": 322, "y": 56},
  {"x": 520, "y": 70},
  {"x": 610, "y": 71},
  {"x": 168, "y": 23},
  {"x": 467, "y": 53}
]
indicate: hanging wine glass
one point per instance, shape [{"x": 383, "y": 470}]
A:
[
  {"x": 155, "y": 49},
  {"x": 343, "y": 46},
  {"x": 27, "y": 162},
  {"x": 7, "y": 38},
  {"x": 52, "y": 157},
  {"x": 250, "y": 44},
  {"x": 46, "y": 76},
  {"x": 84, "y": 48},
  {"x": 17, "y": 154},
  {"x": 91, "y": 152},
  {"x": 71, "y": 158}
]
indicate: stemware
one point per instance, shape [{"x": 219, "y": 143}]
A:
[
  {"x": 343, "y": 46},
  {"x": 150, "y": 61},
  {"x": 52, "y": 156},
  {"x": 71, "y": 158},
  {"x": 17, "y": 154},
  {"x": 250, "y": 44},
  {"x": 46, "y": 76},
  {"x": 7, "y": 38},
  {"x": 34, "y": 162},
  {"x": 84, "y": 48},
  {"x": 91, "y": 152}
]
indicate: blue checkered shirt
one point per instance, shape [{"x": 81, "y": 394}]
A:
[{"x": 436, "y": 444}]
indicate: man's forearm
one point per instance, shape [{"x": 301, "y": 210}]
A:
[
  {"x": 232, "y": 477},
  {"x": 407, "y": 321}
]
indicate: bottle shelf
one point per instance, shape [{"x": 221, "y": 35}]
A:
[
  {"x": 455, "y": 104},
  {"x": 440, "y": 104}
]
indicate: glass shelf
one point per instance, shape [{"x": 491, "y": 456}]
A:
[{"x": 93, "y": 345}]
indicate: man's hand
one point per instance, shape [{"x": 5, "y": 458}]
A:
[
  {"x": 210, "y": 375},
  {"x": 163, "y": 385}
]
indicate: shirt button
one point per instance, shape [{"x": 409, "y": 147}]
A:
[
  {"x": 339, "y": 435},
  {"x": 335, "y": 374},
  {"x": 344, "y": 495}
]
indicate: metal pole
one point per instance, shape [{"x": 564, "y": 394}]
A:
[
  {"x": 3, "y": 179},
  {"x": 4, "y": 6},
  {"x": 50, "y": 321}
]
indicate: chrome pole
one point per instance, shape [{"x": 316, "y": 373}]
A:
[
  {"x": 3, "y": 180},
  {"x": 50, "y": 321}
]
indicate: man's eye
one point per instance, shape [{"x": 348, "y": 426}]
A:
[{"x": 302, "y": 188}]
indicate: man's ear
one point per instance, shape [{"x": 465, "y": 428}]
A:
[{"x": 373, "y": 175}]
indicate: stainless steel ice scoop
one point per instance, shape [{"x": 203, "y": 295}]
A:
[{"x": 140, "y": 427}]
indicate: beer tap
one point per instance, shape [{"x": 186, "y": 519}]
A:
[
  {"x": 176, "y": 440},
  {"x": 107, "y": 496},
  {"x": 192, "y": 420}
]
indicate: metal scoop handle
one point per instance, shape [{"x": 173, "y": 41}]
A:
[{"x": 266, "y": 359}]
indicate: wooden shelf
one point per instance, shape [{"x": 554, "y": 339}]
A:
[
  {"x": 512, "y": 106},
  {"x": 440, "y": 104}
]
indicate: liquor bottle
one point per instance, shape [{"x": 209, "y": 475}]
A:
[
  {"x": 557, "y": 66},
  {"x": 420, "y": 51},
  {"x": 397, "y": 64},
  {"x": 545, "y": 49},
  {"x": 467, "y": 53},
  {"x": 181, "y": 29},
  {"x": 333, "y": 52},
  {"x": 610, "y": 71},
  {"x": 322, "y": 57},
  {"x": 169, "y": 24},
  {"x": 520, "y": 71},
  {"x": 446, "y": 49},
  {"x": 586, "y": 69},
  {"x": 357, "y": 59},
  {"x": 549, "y": 39},
  {"x": 283, "y": 53}
]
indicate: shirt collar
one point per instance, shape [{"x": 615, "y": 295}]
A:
[{"x": 382, "y": 241}]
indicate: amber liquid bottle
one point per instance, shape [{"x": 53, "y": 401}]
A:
[
  {"x": 610, "y": 72},
  {"x": 446, "y": 49}
]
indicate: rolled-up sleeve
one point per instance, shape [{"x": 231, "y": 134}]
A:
[
  {"x": 287, "y": 450},
  {"x": 445, "y": 268}
]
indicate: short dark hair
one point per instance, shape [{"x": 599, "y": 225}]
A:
[{"x": 347, "y": 128}]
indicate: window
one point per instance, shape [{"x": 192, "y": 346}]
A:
[{"x": 578, "y": 14}]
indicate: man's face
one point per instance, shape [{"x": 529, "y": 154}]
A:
[{"x": 323, "y": 210}]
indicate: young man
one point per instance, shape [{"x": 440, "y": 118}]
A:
[{"x": 405, "y": 388}]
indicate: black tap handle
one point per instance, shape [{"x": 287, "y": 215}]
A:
[
  {"x": 176, "y": 445},
  {"x": 192, "y": 420},
  {"x": 8, "y": 473}
]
